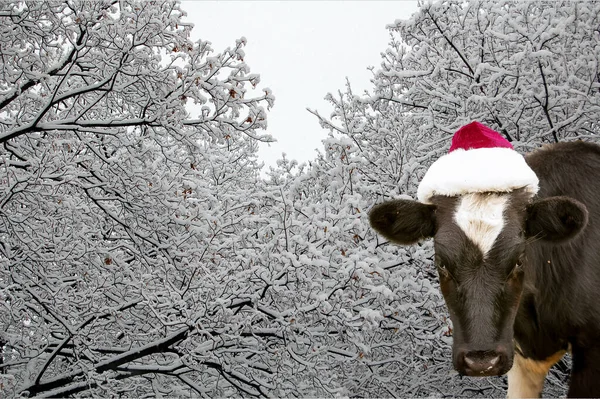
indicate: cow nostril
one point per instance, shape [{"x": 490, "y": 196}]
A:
[{"x": 469, "y": 362}]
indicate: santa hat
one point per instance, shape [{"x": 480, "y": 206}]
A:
[{"x": 479, "y": 160}]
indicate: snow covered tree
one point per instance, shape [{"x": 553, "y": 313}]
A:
[
  {"x": 528, "y": 69},
  {"x": 120, "y": 210},
  {"x": 377, "y": 317}
]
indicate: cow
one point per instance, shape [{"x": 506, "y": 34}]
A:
[{"x": 518, "y": 262}]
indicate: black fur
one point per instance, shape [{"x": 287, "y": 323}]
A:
[{"x": 561, "y": 306}]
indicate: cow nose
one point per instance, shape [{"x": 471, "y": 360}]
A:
[{"x": 483, "y": 363}]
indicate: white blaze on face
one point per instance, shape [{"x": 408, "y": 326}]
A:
[{"x": 481, "y": 218}]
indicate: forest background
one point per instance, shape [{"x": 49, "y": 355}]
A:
[{"x": 143, "y": 253}]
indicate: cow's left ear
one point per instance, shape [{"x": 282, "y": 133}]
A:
[
  {"x": 555, "y": 218},
  {"x": 403, "y": 221}
]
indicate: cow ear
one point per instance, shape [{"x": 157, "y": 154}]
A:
[
  {"x": 555, "y": 219},
  {"x": 403, "y": 221}
]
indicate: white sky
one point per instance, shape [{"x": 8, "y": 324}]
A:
[{"x": 302, "y": 50}]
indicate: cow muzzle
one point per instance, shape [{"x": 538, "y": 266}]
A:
[{"x": 483, "y": 363}]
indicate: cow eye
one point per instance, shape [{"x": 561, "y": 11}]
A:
[
  {"x": 518, "y": 269},
  {"x": 442, "y": 269},
  {"x": 519, "y": 263}
]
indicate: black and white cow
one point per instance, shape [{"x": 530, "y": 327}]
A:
[{"x": 518, "y": 262}]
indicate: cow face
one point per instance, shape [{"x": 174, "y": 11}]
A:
[{"x": 480, "y": 242}]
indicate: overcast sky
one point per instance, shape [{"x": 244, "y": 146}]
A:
[{"x": 302, "y": 50}]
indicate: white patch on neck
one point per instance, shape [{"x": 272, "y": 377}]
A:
[
  {"x": 480, "y": 216},
  {"x": 526, "y": 377}
]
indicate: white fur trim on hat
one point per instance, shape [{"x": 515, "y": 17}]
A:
[{"x": 477, "y": 170}]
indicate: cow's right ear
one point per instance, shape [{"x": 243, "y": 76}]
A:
[{"x": 403, "y": 221}]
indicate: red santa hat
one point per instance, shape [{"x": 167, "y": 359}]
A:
[{"x": 479, "y": 160}]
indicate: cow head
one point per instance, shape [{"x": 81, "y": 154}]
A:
[{"x": 480, "y": 241}]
